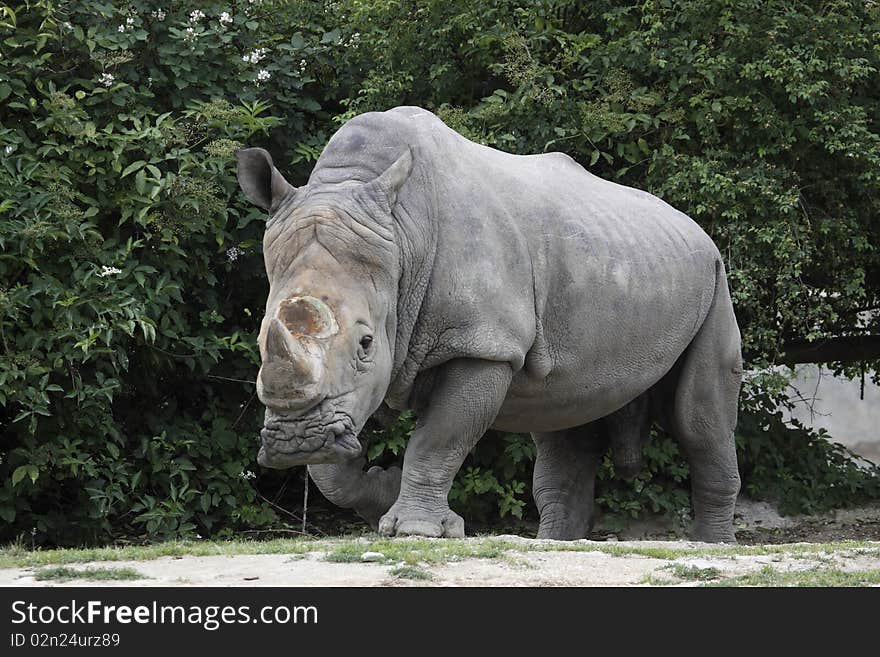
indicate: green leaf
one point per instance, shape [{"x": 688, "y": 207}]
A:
[
  {"x": 332, "y": 36},
  {"x": 19, "y": 473},
  {"x": 185, "y": 464},
  {"x": 131, "y": 168},
  {"x": 140, "y": 181}
]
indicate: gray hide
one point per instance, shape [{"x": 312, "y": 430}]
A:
[{"x": 487, "y": 290}]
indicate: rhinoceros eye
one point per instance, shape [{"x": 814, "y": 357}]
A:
[{"x": 366, "y": 342}]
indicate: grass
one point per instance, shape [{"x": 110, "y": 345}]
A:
[
  {"x": 410, "y": 551},
  {"x": 15, "y": 556},
  {"x": 675, "y": 573},
  {"x": 652, "y": 580},
  {"x": 435, "y": 551},
  {"x": 65, "y": 574},
  {"x": 411, "y": 572},
  {"x": 346, "y": 554},
  {"x": 724, "y": 551},
  {"x": 414, "y": 551},
  {"x": 767, "y": 576},
  {"x": 694, "y": 573},
  {"x": 413, "y": 554}
]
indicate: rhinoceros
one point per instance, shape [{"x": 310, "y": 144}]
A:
[{"x": 486, "y": 290}]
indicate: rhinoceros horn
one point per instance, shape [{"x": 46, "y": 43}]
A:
[{"x": 290, "y": 365}]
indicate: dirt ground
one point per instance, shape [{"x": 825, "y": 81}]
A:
[
  {"x": 759, "y": 523},
  {"x": 837, "y": 548}
]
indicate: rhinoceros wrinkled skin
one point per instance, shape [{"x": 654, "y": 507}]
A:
[{"x": 487, "y": 290}]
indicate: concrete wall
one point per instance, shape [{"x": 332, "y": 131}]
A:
[{"x": 836, "y": 406}]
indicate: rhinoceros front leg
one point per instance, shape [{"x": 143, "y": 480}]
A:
[
  {"x": 369, "y": 493},
  {"x": 461, "y": 405}
]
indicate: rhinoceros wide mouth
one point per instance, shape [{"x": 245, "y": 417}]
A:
[{"x": 307, "y": 440}]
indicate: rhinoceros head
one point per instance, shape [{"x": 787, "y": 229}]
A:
[{"x": 327, "y": 339}]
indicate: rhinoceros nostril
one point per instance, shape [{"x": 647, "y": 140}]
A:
[{"x": 333, "y": 431}]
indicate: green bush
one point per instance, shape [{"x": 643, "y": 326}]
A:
[
  {"x": 131, "y": 276},
  {"x": 131, "y": 279}
]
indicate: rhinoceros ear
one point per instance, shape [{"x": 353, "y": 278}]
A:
[
  {"x": 258, "y": 178},
  {"x": 389, "y": 183}
]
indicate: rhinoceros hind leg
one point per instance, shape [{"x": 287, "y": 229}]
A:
[
  {"x": 705, "y": 409},
  {"x": 628, "y": 430},
  {"x": 564, "y": 480}
]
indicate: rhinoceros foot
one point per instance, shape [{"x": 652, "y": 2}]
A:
[
  {"x": 403, "y": 520},
  {"x": 713, "y": 533}
]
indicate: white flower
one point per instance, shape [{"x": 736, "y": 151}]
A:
[
  {"x": 247, "y": 474},
  {"x": 302, "y": 65},
  {"x": 106, "y": 79},
  {"x": 255, "y": 56},
  {"x": 196, "y": 16},
  {"x": 109, "y": 271},
  {"x": 190, "y": 35},
  {"x": 121, "y": 28},
  {"x": 158, "y": 14},
  {"x": 225, "y": 18},
  {"x": 9, "y": 149},
  {"x": 129, "y": 21},
  {"x": 263, "y": 75},
  {"x": 233, "y": 253}
]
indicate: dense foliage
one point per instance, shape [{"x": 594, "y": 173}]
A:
[
  {"x": 131, "y": 280},
  {"x": 131, "y": 273}
]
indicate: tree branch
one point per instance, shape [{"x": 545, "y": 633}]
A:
[{"x": 846, "y": 349}]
